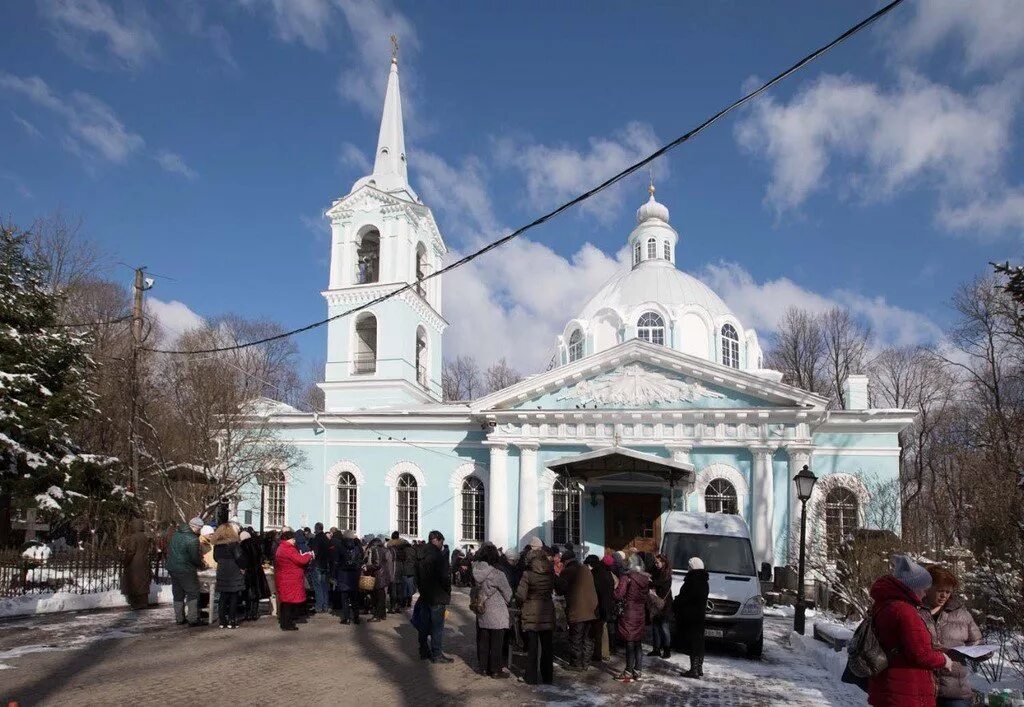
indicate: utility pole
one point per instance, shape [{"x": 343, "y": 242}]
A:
[{"x": 138, "y": 288}]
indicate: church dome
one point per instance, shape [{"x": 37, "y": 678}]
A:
[
  {"x": 654, "y": 282},
  {"x": 653, "y": 209}
]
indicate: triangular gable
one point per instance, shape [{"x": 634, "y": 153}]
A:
[{"x": 639, "y": 375}]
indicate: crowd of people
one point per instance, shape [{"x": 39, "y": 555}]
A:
[{"x": 609, "y": 602}]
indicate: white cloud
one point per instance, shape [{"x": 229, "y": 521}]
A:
[
  {"x": 30, "y": 129},
  {"x": 988, "y": 216},
  {"x": 78, "y": 23},
  {"x": 363, "y": 81},
  {"x": 555, "y": 173},
  {"x": 352, "y": 157},
  {"x": 93, "y": 127},
  {"x": 991, "y": 32},
  {"x": 175, "y": 163},
  {"x": 513, "y": 303},
  {"x": 173, "y": 318},
  {"x": 762, "y": 305},
  {"x": 304, "y": 21},
  {"x": 461, "y": 193},
  {"x": 893, "y": 138}
]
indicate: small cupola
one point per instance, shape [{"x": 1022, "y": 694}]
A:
[{"x": 653, "y": 240}]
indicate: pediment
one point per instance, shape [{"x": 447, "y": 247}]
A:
[{"x": 636, "y": 375}]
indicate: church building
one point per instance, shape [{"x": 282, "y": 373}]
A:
[{"x": 659, "y": 402}]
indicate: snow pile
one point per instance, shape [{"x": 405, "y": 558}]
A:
[
  {"x": 834, "y": 662},
  {"x": 40, "y": 553},
  {"x": 65, "y": 601}
]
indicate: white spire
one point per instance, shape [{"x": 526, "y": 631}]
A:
[{"x": 390, "y": 172}]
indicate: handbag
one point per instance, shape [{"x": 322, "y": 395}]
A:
[{"x": 367, "y": 583}]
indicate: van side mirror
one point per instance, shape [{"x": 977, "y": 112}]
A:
[{"x": 765, "y": 575}]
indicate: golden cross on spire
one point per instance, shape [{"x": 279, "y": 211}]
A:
[
  {"x": 650, "y": 188},
  {"x": 394, "y": 48}
]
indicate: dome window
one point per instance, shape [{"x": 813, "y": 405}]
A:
[
  {"x": 575, "y": 345},
  {"x": 651, "y": 328},
  {"x": 668, "y": 251},
  {"x": 652, "y": 249},
  {"x": 730, "y": 346},
  {"x": 636, "y": 253}
]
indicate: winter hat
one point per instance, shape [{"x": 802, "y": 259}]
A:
[
  {"x": 206, "y": 531},
  {"x": 568, "y": 555},
  {"x": 196, "y": 522},
  {"x": 913, "y": 575},
  {"x": 608, "y": 561},
  {"x": 696, "y": 563},
  {"x": 535, "y": 542},
  {"x": 349, "y": 534},
  {"x": 512, "y": 556},
  {"x": 244, "y": 535}
]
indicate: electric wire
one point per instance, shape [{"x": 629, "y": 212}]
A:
[
  {"x": 87, "y": 324},
  {"x": 866, "y": 22}
]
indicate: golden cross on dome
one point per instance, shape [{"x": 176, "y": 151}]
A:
[
  {"x": 650, "y": 188},
  {"x": 394, "y": 48}
]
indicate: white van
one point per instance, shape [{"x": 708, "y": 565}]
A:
[{"x": 735, "y": 612}]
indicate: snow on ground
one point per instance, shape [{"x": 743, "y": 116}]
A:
[
  {"x": 48, "y": 602},
  {"x": 64, "y": 632},
  {"x": 787, "y": 675}
]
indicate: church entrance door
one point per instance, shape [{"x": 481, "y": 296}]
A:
[{"x": 632, "y": 520}]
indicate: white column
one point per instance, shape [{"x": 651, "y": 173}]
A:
[
  {"x": 798, "y": 457},
  {"x": 497, "y": 495},
  {"x": 528, "y": 499},
  {"x": 762, "y": 509},
  {"x": 681, "y": 453}
]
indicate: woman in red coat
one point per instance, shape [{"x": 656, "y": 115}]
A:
[
  {"x": 289, "y": 578},
  {"x": 909, "y": 679},
  {"x": 632, "y": 592}
]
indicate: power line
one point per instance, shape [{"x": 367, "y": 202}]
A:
[
  {"x": 88, "y": 324},
  {"x": 576, "y": 200}
]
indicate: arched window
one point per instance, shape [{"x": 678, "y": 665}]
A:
[
  {"x": 636, "y": 252},
  {"x": 365, "y": 360},
  {"x": 422, "y": 268},
  {"x": 652, "y": 249},
  {"x": 668, "y": 251},
  {"x": 348, "y": 501},
  {"x": 730, "y": 346},
  {"x": 275, "y": 490},
  {"x": 566, "y": 496},
  {"x": 473, "y": 509},
  {"x": 575, "y": 345},
  {"x": 720, "y": 497},
  {"x": 651, "y": 327},
  {"x": 408, "y": 505},
  {"x": 840, "y": 518},
  {"x": 421, "y": 357},
  {"x": 368, "y": 258}
]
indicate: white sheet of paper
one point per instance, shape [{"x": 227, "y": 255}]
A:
[{"x": 975, "y": 651}]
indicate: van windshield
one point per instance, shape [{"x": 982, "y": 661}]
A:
[{"x": 721, "y": 553}]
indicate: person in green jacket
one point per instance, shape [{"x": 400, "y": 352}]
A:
[{"x": 183, "y": 563}]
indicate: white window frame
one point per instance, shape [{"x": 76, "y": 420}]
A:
[
  {"x": 730, "y": 346},
  {"x": 720, "y": 496},
  {"x": 331, "y": 482},
  {"x": 575, "y": 343},
  {"x": 265, "y": 491},
  {"x": 729, "y": 473},
  {"x": 391, "y": 481},
  {"x": 668, "y": 251},
  {"x": 652, "y": 331},
  {"x": 356, "y": 341},
  {"x": 637, "y": 251},
  {"x": 579, "y": 511},
  {"x": 652, "y": 248},
  {"x": 461, "y": 473}
]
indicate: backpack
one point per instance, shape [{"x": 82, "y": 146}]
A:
[
  {"x": 477, "y": 600},
  {"x": 350, "y": 555},
  {"x": 867, "y": 657}
]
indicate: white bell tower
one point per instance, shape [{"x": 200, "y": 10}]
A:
[{"x": 383, "y": 238}]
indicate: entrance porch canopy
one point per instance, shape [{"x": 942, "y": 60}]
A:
[{"x": 621, "y": 460}]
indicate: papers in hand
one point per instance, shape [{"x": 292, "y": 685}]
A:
[{"x": 975, "y": 652}]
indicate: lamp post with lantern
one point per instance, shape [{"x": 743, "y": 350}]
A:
[{"x": 804, "y": 481}]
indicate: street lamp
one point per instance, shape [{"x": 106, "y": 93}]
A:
[{"x": 804, "y": 481}]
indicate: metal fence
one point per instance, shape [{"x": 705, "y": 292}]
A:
[{"x": 72, "y": 571}]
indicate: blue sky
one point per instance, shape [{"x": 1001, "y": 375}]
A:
[{"x": 204, "y": 140}]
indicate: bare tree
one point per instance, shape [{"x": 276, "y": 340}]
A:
[
  {"x": 799, "y": 351},
  {"x": 500, "y": 375},
  {"x": 460, "y": 379},
  {"x": 845, "y": 342},
  {"x": 69, "y": 258}
]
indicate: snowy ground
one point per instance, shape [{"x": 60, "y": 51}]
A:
[{"x": 787, "y": 675}]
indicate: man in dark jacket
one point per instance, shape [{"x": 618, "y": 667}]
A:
[
  {"x": 400, "y": 547},
  {"x": 348, "y": 564},
  {"x": 604, "y": 585},
  {"x": 434, "y": 578},
  {"x": 320, "y": 545},
  {"x": 183, "y": 562},
  {"x": 576, "y": 584}
]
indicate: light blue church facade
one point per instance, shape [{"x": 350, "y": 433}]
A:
[{"x": 659, "y": 401}]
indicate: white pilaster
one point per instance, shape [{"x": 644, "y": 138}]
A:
[
  {"x": 798, "y": 458},
  {"x": 497, "y": 495},
  {"x": 762, "y": 505},
  {"x": 681, "y": 453},
  {"x": 528, "y": 500}
]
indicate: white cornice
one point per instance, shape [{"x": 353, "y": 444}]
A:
[
  {"x": 369, "y": 198},
  {"x": 361, "y": 294}
]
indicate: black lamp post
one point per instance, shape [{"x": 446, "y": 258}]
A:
[{"x": 804, "y": 481}]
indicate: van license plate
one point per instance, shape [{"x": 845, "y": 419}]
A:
[{"x": 714, "y": 633}]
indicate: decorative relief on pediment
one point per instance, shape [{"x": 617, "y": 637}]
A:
[{"x": 636, "y": 386}]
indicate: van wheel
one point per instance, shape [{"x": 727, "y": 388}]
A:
[{"x": 755, "y": 649}]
